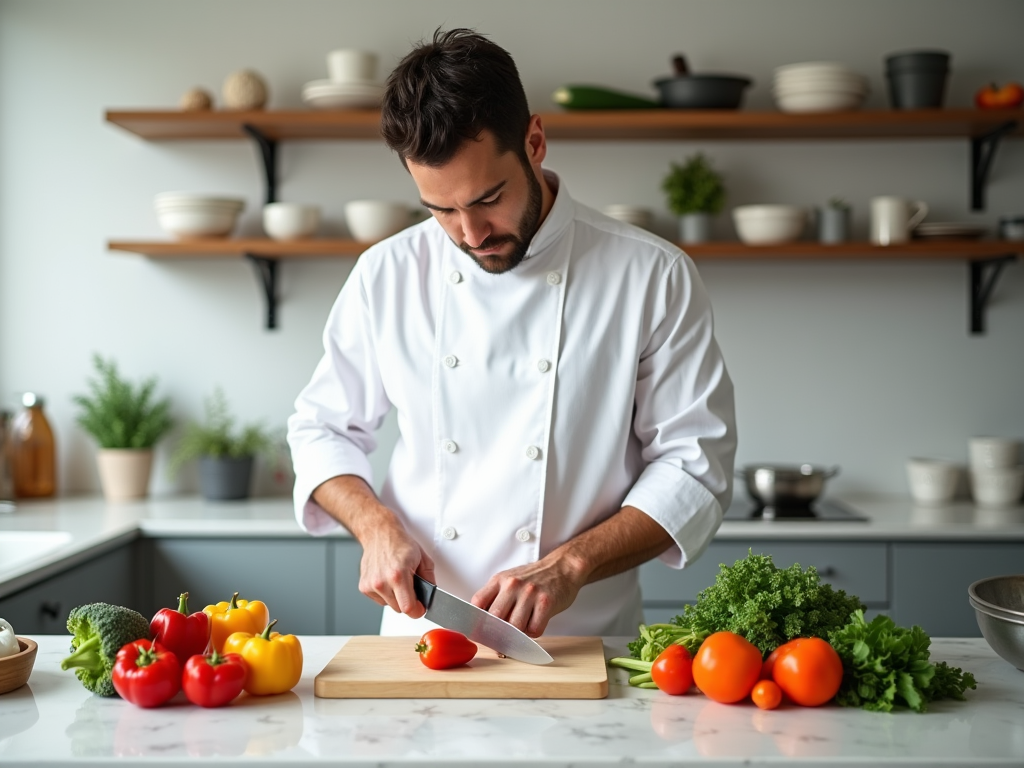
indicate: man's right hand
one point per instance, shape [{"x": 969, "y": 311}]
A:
[{"x": 390, "y": 554}]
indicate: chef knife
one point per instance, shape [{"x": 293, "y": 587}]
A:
[{"x": 478, "y": 625}]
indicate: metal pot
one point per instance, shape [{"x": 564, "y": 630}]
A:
[
  {"x": 785, "y": 485},
  {"x": 692, "y": 91}
]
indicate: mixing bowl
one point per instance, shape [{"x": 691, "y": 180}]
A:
[
  {"x": 784, "y": 485},
  {"x": 998, "y": 603}
]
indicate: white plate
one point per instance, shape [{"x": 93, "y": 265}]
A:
[{"x": 326, "y": 94}]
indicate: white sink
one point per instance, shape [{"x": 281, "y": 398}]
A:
[{"x": 19, "y": 547}]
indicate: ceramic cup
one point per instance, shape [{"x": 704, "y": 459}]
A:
[
  {"x": 290, "y": 221},
  {"x": 894, "y": 218},
  {"x": 348, "y": 65},
  {"x": 373, "y": 220},
  {"x": 993, "y": 453},
  {"x": 997, "y": 487},
  {"x": 932, "y": 481}
]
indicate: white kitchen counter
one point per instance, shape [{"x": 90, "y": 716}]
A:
[
  {"x": 96, "y": 526},
  {"x": 54, "y": 720}
]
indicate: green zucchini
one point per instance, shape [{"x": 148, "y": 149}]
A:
[{"x": 594, "y": 97}]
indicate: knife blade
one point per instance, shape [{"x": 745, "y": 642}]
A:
[{"x": 478, "y": 625}]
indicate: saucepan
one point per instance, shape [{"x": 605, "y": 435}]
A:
[{"x": 785, "y": 485}]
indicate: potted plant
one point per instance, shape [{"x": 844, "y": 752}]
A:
[
  {"x": 695, "y": 193},
  {"x": 834, "y": 221},
  {"x": 226, "y": 455},
  {"x": 126, "y": 422}
]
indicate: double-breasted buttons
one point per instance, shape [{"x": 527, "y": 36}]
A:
[
  {"x": 449, "y": 533},
  {"x": 554, "y": 278},
  {"x": 450, "y": 446},
  {"x": 523, "y": 535},
  {"x": 543, "y": 365},
  {"x": 533, "y": 452},
  {"x": 455, "y": 277},
  {"x": 451, "y": 361}
]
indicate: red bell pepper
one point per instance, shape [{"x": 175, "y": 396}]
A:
[
  {"x": 214, "y": 680},
  {"x": 146, "y": 674},
  {"x": 183, "y": 635}
]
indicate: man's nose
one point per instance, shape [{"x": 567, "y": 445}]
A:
[{"x": 474, "y": 229}]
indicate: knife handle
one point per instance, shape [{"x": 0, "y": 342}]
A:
[{"x": 424, "y": 590}]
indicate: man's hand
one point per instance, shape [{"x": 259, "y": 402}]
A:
[{"x": 390, "y": 554}]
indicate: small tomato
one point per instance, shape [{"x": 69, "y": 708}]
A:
[
  {"x": 809, "y": 672},
  {"x": 445, "y": 648},
  {"x": 726, "y": 667},
  {"x": 672, "y": 671},
  {"x": 993, "y": 97},
  {"x": 766, "y": 694}
]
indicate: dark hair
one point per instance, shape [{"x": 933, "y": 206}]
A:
[{"x": 448, "y": 91}]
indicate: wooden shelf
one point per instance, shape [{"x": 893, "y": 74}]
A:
[
  {"x": 278, "y": 125},
  {"x": 714, "y": 251}
]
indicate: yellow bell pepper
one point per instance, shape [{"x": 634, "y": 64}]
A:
[
  {"x": 275, "y": 660},
  {"x": 249, "y": 616}
]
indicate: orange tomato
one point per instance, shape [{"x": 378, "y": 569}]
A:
[
  {"x": 766, "y": 694},
  {"x": 726, "y": 667},
  {"x": 809, "y": 672},
  {"x": 769, "y": 663},
  {"x": 672, "y": 671}
]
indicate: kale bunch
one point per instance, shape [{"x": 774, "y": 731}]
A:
[{"x": 885, "y": 666}]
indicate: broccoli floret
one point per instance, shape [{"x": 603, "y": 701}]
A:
[{"x": 100, "y": 630}]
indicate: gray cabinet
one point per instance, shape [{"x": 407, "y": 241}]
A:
[
  {"x": 43, "y": 608},
  {"x": 354, "y": 612},
  {"x": 930, "y": 582}
]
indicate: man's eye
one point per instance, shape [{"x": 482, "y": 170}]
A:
[{"x": 493, "y": 201}]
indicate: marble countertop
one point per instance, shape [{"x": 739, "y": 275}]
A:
[
  {"x": 54, "y": 720},
  {"x": 95, "y": 526}
]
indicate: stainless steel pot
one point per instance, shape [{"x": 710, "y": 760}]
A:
[{"x": 785, "y": 485}]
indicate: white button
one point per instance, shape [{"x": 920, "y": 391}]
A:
[
  {"x": 543, "y": 366},
  {"x": 451, "y": 361},
  {"x": 554, "y": 278},
  {"x": 450, "y": 446},
  {"x": 523, "y": 535},
  {"x": 533, "y": 452},
  {"x": 455, "y": 277},
  {"x": 449, "y": 533}
]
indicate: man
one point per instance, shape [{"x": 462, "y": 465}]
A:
[{"x": 564, "y": 411}]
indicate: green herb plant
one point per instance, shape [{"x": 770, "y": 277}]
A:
[
  {"x": 694, "y": 187},
  {"x": 120, "y": 415},
  {"x": 838, "y": 203},
  {"x": 217, "y": 437}
]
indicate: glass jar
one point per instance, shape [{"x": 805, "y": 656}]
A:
[{"x": 34, "y": 451}]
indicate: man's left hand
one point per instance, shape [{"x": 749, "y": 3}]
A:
[{"x": 529, "y": 595}]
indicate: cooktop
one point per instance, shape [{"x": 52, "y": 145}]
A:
[{"x": 746, "y": 508}]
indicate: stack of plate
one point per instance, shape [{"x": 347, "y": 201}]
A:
[
  {"x": 188, "y": 216},
  {"x": 818, "y": 86},
  {"x": 329, "y": 94},
  {"x": 631, "y": 214},
  {"x": 948, "y": 230}
]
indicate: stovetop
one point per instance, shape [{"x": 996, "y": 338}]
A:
[{"x": 745, "y": 508}]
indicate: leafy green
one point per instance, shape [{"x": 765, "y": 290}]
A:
[
  {"x": 694, "y": 187},
  {"x": 754, "y": 598},
  {"x": 885, "y": 666},
  {"x": 119, "y": 415},
  {"x": 100, "y": 630},
  {"x": 217, "y": 437}
]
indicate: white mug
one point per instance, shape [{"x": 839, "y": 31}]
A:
[
  {"x": 892, "y": 220},
  {"x": 347, "y": 65}
]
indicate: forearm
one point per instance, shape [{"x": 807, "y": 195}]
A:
[
  {"x": 625, "y": 540},
  {"x": 350, "y": 501}
]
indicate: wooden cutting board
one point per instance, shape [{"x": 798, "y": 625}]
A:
[{"x": 374, "y": 667}]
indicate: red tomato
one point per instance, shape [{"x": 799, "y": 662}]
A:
[
  {"x": 214, "y": 680},
  {"x": 993, "y": 97},
  {"x": 445, "y": 648},
  {"x": 726, "y": 667},
  {"x": 769, "y": 663},
  {"x": 146, "y": 674},
  {"x": 766, "y": 694},
  {"x": 672, "y": 671},
  {"x": 809, "y": 672}
]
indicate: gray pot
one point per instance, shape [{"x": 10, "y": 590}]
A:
[
  {"x": 917, "y": 88},
  {"x": 695, "y": 227},
  {"x": 702, "y": 91},
  {"x": 833, "y": 225},
  {"x": 224, "y": 478},
  {"x": 917, "y": 60}
]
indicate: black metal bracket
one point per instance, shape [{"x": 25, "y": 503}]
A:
[
  {"x": 983, "y": 149},
  {"x": 984, "y": 274},
  {"x": 266, "y": 272},
  {"x": 268, "y": 151}
]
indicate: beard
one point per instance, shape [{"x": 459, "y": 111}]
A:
[{"x": 529, "y": 223}]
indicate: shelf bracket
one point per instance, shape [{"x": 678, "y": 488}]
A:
[
  {"x": 268, "y": 151},
  {"x": 983, "y": 149},
  {"x": 266, "y": 272},
  {"x": 984, "y": 275}
]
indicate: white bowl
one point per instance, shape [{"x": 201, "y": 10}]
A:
[
  {"x": 932, "y": 481},
  {"x": 997, "y": 487},
  {"x": 347, "y": 65},
  {"x": 816, "y": 67},
  {"x": 373, "y": 220},
  {"x": 821, "y": 83},
  {"x": 769, "y": 224},
  {"x": 290, "y": 221},
  {"x": 167, "y": 200},
  {"x": 819, "y": 101},
  {"x": 993, "y": 452}
]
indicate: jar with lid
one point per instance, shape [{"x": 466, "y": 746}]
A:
[{"x": 34, "y": 451}]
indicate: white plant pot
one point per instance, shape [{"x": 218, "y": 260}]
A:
[{"x": 124, "y": 472}]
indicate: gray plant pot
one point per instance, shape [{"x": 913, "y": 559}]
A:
[
  {"x": 224, "y": 479},
  {"x": 917, "y": 88},
  {"x": 833, "y": 225},
  {"x": 695, "y": 227}
]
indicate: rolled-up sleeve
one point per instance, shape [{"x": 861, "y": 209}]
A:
[
  {"x": 685, "y": 418},
  {"x": 336, "y": 415}
]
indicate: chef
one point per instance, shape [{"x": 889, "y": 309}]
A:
[{"x": 563, "y": 408}]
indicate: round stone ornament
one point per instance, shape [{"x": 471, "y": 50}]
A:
[
  {"x": 245, "y": 89},
  {"x": 196, "y": 100}
]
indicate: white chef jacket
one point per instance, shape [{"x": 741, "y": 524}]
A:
[{"x": 531, "y": 405}]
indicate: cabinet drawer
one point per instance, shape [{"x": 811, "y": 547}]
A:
[{"x": 859, "y": 568}]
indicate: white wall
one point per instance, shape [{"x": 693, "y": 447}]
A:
[{"x": 861, "y": 364}]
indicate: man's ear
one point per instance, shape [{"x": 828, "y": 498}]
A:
[{"x": 536, "y": 141}]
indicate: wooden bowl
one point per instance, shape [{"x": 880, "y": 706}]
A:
[{"x": 15, "y": 670}]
